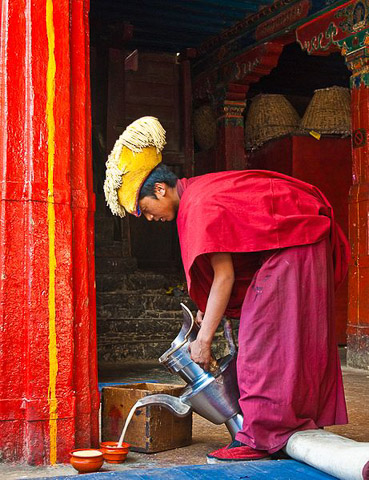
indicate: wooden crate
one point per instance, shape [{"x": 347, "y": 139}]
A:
[{"x": 152, "y": 428}]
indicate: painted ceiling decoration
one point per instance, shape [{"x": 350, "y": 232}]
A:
[{"x": 175, "y": 24}]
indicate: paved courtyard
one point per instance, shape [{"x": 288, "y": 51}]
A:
[{"x": 206, "y": 436}]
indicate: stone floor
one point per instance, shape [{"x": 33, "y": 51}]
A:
[{"x": 206, "y": 436}]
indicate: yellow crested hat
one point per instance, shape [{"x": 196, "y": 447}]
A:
[{"x": 135, "y": 154}]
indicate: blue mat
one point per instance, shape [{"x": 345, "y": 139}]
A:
[{"x": 257, "y": 470}]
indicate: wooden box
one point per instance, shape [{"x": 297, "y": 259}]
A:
[{"x": 152, "y": 428}]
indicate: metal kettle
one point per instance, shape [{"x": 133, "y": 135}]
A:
[{"x": 213, "y": 395}]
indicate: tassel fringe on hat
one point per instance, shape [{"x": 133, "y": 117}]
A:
[{"x": 130, "y": 162}]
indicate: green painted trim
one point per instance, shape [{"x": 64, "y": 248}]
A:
[{"x": 354, "y": 42}]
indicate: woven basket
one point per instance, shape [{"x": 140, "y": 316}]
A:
[
  {"x": 270, "y": 116},
  {"x": 328, "y": 112},
  {"x": 205, "y": 127}
]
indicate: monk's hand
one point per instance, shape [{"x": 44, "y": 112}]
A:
[
  {"x": 201, "y": 353},
  {"x": 199, "y": 317}
]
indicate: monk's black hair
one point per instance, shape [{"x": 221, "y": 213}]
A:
[{"x": 160, "y": 174}]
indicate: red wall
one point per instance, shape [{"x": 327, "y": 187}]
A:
[{"x": 325, "y": 163}]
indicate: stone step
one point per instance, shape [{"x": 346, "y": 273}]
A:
[
  {"x": 115, "y": 302},
  {"x": 118, "y": 348},
  {"x": 146, "y": 338},
  {"x": 115, "y": 264},
  {"x": 143, "y": 281},
  {"x": 123, "y": 351},
  {"x": 118, "y": 311},
  {"x": 116, "y": 338},
  {"x": 139, "y": 329},
  {"x": 152, "y": 281},
  {"x": 104, "y": 312},
  {"x": 155, "y": 327},
  {"x": 110, "y": 282}
]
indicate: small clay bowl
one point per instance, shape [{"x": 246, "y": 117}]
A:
[
  {"x": 86, "y": 460},
  {"x": 114, "y": 454}
]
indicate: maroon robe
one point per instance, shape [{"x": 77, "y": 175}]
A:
[{"x": 288, "y": 370}]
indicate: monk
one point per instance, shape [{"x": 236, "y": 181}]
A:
[{"x": 262, "y": 247}]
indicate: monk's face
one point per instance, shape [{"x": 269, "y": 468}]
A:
[{"x": 163, "y": 208}]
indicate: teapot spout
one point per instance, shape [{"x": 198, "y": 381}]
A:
[{"x": 174, "y": 404}]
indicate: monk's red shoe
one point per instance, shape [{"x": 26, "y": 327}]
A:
[{"x": 236, "y": 452}]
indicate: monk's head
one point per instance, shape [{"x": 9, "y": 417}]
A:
[{"x": 158, "y": 198}]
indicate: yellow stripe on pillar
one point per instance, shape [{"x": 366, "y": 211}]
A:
[{"x": 53, "y": 353}]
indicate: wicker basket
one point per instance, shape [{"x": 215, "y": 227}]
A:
[
  {"x": 328, "y": 112},
  {"x": 270, "y": 116},
  {"x": 205, "y": 127}
]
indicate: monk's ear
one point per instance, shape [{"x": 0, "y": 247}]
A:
[{"x": 160, "y": 189}]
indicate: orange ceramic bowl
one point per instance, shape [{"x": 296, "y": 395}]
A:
[
  {"x": 113, "y": 454},
  {"x": 86, "y": 460}
]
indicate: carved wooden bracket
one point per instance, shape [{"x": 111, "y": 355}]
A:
[
  {"x": 355, "y": 48},
  {"x": 251, "y": 66},
  {"x": 232, "y": 80}
]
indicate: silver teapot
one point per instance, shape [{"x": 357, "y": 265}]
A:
[{"x": 213, "y": 395}]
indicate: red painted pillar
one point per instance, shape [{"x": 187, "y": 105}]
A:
[
  {"x": 83, "y": 208},
  {"x": 356, "y": 51},
  {"x": 42, "y": 382},
  {"x": 358, "y": 318},
  {"x": 231, "y": 153}
]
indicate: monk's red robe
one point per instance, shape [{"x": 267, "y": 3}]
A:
[
  {"x": 283, "y": 239},
  {"x": 250, "y": 211}
]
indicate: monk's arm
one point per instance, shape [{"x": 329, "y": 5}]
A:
[{"x": 219, "y": 295}]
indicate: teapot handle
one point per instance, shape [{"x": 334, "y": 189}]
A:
[
  {"x": 214, "y": 366},
  {"x": 228, "y": 334}
]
